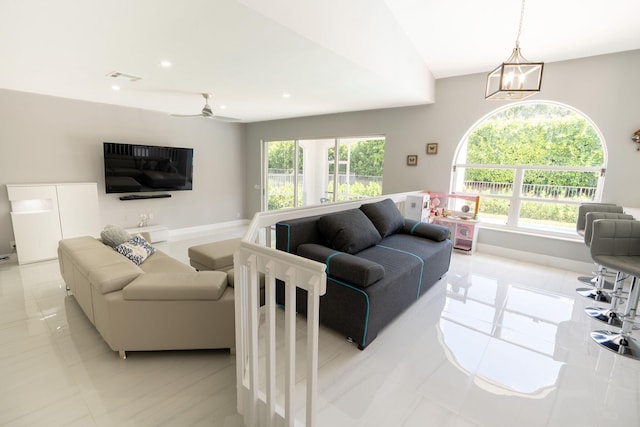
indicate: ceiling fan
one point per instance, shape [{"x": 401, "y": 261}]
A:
[{"x": 207, "y": 112}]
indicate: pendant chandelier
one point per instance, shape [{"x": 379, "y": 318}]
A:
[{"x": 516, "y": 78}]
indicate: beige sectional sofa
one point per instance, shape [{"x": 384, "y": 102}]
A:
[{"x": 162, "y": 304}]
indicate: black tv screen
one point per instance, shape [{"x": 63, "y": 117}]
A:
[{"x": 132, "y": 168}]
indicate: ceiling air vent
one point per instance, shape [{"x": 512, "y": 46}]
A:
[{"x": 123, "y": 76}]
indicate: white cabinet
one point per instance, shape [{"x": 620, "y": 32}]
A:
[
  {"x": 78, "y": 206},
  {"x": 42, "y": 214},
  {"x": 418, "y": 207}
]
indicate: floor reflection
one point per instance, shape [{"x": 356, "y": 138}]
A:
[{"x": 504, "y": 334}]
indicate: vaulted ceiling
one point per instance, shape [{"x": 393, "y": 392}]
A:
[{"x": 269, "y": 59}]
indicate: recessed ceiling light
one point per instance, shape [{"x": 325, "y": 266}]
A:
[
  {"x": 286, "y": 95},
  {"x": 223, "y": 107},
  {"x": 115, "y": 87},
  {"x": 166, "y": 64}
]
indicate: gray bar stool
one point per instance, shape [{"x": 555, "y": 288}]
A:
[
  {"x": 616, "y": 245},
  {"x": 581, "y": 223},
  {"x": 610, "y": 314},
  {"x": 598, "y": 293}
]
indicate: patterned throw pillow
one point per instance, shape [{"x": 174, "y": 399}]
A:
[{"x": 137, "y": 249}]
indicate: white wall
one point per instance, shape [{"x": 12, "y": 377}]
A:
[
  {"x": 604, "y": 88},
  {"x": 48, "y": 139}
]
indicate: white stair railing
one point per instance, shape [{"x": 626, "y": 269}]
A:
[
  {"x": 258, "y": 405},
  {"x": 261, "y": 408}
]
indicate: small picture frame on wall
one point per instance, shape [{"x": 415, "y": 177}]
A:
[
  {"x": 412, "y": 160},
  {"x": 432, "y": 148}
]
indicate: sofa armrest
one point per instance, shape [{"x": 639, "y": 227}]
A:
[
  {"x": 343, "y": 266},
  {"x": 203, "y": 285},
  {"x": 434, "y": 232}
]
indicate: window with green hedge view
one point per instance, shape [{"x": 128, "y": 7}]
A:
[{"x": 532, "y": 163}]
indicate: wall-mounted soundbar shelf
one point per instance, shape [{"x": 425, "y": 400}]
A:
[{"x": 144, "y": 196}]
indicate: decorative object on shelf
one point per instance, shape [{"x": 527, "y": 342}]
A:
[
  {"x": 144, "y": 219},
  {"x": 459, "y": 206},
  {"x": 432, "y": 148},
  {"x": 636, "y": 138},
  {"x": 412, "y": 160},
  {"x": 517, "y": 77}
]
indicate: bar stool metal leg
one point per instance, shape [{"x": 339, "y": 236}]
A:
[
  {"x": 622, "y": 342},
  {"x": 610, "y": 315},
  {"x": 591, "y": 280},
  {"x": 598, "y": 293}
]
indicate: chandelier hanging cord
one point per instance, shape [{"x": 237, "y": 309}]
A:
[{"x": 520, "y": 26}]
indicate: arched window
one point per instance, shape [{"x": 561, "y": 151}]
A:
[{"x": 532, "y": 163}]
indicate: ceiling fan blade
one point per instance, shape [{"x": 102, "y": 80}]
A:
[
  {"x": 220, "y": 118},
  {"x": 224, "y": 119},
  {"x": 207, "y": 112},
  {"x": 187, "y": 115}
]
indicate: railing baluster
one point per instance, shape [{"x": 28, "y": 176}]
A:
[
  {"x": 290, "y": 347},
  {"x": 313, "y": 320},
  {"x": 253, "y": 340},
  {"x": 270, "y": 336}
]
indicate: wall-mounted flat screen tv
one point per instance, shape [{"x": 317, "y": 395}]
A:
[{"x": 133, "y": 168}]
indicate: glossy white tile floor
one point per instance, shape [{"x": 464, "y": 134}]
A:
[{"x": 496, "y": 343}]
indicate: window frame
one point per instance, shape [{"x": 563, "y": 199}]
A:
[
  {"x": 516, "y": 198},
  {"x": 334, "y": 178}
]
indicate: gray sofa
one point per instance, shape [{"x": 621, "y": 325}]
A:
[
  {"x": 161, "y": 304},
  {"x": 378, "y": 264}
]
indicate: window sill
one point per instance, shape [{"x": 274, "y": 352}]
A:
[{"x": 532, "y": 233}]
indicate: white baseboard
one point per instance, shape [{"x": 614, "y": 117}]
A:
[
  {"x": 207, "y": 228},
  {"x": 534, "y": 258}
]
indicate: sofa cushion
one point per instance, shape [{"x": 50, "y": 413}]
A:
[
  {"x": 91, "y": 256},
  {"x": 342, "y": 266},
  {"x": 113, "y": 277},
  {"x": 385, "y": 216},
  {"x": 348, "y": 231},
  {"x": 136, "y": 250},
  {"x": 112, "y": 235},
  {"x": 434, "y": 232},
  {"x": 203, "y": 285},
  {"x": 214, "y": 255},
  {"x": 160, "y": 262}
]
